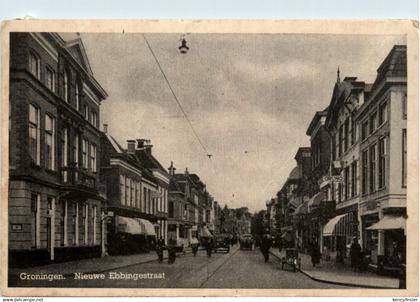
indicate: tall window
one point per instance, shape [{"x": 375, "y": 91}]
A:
[
  {"x": 383, "y": 113},
  {"x": 86, "y": 113},
  {"x": 346, "y": 134},
  {"x": 34, "y": 134},
  {"x": 127, "y": 191},
  {"x": 340, "y": 140},
  {"x": 84, "y": 154},
  {"x": 372, "y": 122},
  {"x": 137, "y": 194},
  {"x": 346, "y": 183},
  {"x": 93, "y": 118},
  {"x": 64, "y": 152},
  {"x": 381, "y": 163},
  {"x": 66, "y": 86},
  {"x": 352, "y": 131},
  {"x": 132, "y": 194},
  {"x": 122, "y": 189},
  {"x": 372, "y": 168},
  {"x": 144, "y": 197},
  {"x": 77, "y": 96},
  {"x": 93, "y": 157},
  {"x": 49, "y": 142},
  {"x": 170, "y": 209},
  {"x": 50, "y": 79},
  {"x": 404, "y": 157},
  {"x": 354, "y": 178},
  {"x": 35, "y": 217},
  {"x": 34, "y": 65},
  {"x": 94, "y": 214},
  {"x": 76, "y": 149},
  {"x": 364, "y": 132},
  {"x": 365, "y": 170},
  {"x": 404, "y": 106}
]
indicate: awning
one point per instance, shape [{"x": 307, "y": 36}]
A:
[
  {"x": 204, "y": 232},
  {"x": 129, "y": 225},
  {"x": 337, "y": 225},
  {"x": 316, "y": 200},
  {"x": 389, "y": 222},
  {"x": 148, "y": 227}
]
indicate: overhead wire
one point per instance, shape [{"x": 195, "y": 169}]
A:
[{"x": 176, "y": 98}]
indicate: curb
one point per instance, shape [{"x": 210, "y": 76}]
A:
[{"x": 335, "y": 282}]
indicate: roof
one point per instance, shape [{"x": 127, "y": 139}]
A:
[
  {"x": 315, "y": 120},
  {"x": 294, "y": 174}
]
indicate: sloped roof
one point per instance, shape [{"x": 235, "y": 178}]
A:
[
  {"x": 74, "y": 44},
  {"x": 294, "y": 174}
]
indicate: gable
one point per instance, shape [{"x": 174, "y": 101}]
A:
[{"x": 77, "y": 50}]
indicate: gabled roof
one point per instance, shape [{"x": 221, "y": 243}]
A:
[
  {"x": 315, "y": 120},
  {"x": 149, "y": 161},
  {"x": 77, "y": 49}
]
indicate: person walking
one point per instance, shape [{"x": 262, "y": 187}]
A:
[
  {"x": 315, "y": 253},
  {"x": 194, "y": 246},
  {"x": 209, "y": 246},
  {"x": 266, "y": 242},
  {"x": 160, "y": 246},
  {"x": 355, "y": 255}
]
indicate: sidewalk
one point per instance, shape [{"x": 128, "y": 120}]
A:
[
  {"x": 93, "y": 265},
  {"x": 331, "y": 272}
]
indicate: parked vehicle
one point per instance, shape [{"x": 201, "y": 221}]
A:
[
  {"x": 221, "y": 242},
  {"x": 292, "y": 259},
  {"x": 246, "y": 242}
]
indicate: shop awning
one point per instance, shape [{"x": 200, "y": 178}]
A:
[
  {"x": 129, "y": 225},
  {"x": 204, "y": 232},
  {"x": 316, "y": 200},
  {"x": 336, "y": 225},
  {"x": 389, "y": 222},
  {"x": 148, "y": 227}
]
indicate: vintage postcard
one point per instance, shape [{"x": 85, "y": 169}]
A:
[{"x": 209, "y": 158}]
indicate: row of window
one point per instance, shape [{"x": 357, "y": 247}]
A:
[
  {"x": 131, "y": 195},
  {"x": 71, "y": 218},
  {"x": 50, "y": 81},
  {"x": 374, "y": 167},
  {"x": 89, "y": 150}
]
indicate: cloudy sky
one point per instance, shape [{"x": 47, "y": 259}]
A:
[{"x": 249, "y": 97}]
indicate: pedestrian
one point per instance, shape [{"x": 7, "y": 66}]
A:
[
  {"x": 160, "y": 246},
  {"x": 315, "y": 253},
  {"x": 266, "y": 243},
  {"x": 194, "y": 246},
  {"x": 209, "y": 246},
  {"x": 355, "y": 255},
  {"x": 171, "y": 251}
]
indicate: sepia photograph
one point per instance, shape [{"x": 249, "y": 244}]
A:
[{"x": 183, "y": 159}]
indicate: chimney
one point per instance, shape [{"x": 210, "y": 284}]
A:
[
  {"x": 186, "y": 171},
  {"x": 144, "y": 144},
  {"x": 105, "y": 128},
  {"x": 172, "y": 169},
  {"x": 131, "y": 146}
]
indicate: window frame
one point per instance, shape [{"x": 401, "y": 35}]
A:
[
  {"x": 37, "y": 129},
  {"x": 34, "y": 55},
  {"x": 50, "y": 133},
  {"x": 50, "y": 85}
]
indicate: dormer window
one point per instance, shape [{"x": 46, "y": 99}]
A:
[{"x": 34, "y": 64}]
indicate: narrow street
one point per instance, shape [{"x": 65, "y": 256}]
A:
[{"x": 237, "y": 269}]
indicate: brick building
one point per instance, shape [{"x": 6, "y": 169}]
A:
[{"x": 55, "y": 198}]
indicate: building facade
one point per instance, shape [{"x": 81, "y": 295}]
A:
[
  {"x": 383, "y": 151},
  {"x": 55, "y": 197}
]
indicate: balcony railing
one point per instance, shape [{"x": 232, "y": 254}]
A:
[{"x": 74, "y": 176}]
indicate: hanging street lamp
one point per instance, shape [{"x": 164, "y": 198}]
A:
[{"x": 183, "y": 48}]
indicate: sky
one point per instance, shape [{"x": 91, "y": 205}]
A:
[{"x": 249, "y": 97}]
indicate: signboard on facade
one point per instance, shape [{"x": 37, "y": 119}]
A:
[{"x": 327, "y": 179}]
